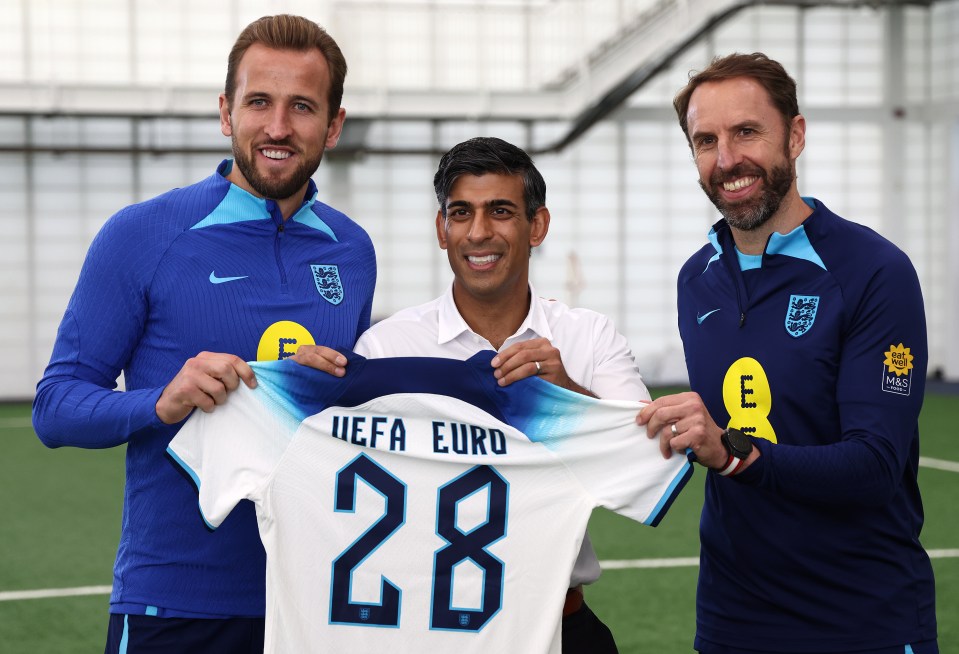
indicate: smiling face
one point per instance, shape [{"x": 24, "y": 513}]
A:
[
  {"x": 744, "y": 149},
  {"x": 279, "y": 122},
  {"x": 487, "y": 238}
]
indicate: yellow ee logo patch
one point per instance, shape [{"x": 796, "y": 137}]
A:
[
  {"x": 897, "y": 370},
  {"x": 748, "y": 399},
  {"x": 281, "y": 340}
]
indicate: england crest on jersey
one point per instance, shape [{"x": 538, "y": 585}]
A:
[
  {"x": 801, "y": 314},
  {"x": 328, "y": 282}
]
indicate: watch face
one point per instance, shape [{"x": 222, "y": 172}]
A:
[{"x": 737, "y": 443}]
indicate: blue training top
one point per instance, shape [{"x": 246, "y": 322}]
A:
[
  {"x": 208, "y": 267},
  {"x": 817, "y": 349}
]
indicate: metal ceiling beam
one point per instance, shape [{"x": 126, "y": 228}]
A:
[{"x": 569, "y": 101}]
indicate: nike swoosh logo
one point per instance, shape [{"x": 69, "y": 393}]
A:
[
  {"x": 222, "y": 280},
  {"x": 700, "y": 319}
]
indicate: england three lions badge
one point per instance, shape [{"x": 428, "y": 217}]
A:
[
  {"x": 327, "y": 279},
  {"x": 801, "y": 314}
]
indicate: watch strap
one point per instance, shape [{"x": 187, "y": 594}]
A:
[{"x": 733, "y": 465}]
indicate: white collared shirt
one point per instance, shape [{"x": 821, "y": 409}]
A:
[{"x": 595, "y": 356}]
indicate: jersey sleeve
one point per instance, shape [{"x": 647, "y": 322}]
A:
[
  {"x": 601, "y": 444},
  {"x": 365, "y": 316},
  {"x": 367, "y": 311},
  {"x": 76, "y": 403},
  {"x": 880, "y": 387},
  {"x": 615, "y": 375},
  {"x": 230, "y": 453}
]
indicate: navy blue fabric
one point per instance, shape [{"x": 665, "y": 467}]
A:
[
  {"x": 811, "y": 549},
  {"x": 585, "y": 633},
  {"x": 143, "y": 634},
  {"x": 312, "y": 392},
  {"x": 926, "y": 647}
]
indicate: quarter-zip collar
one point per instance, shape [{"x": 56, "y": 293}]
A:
[
  {"x": 795, "y": 244},
  {"x": 239, "y": 205}
]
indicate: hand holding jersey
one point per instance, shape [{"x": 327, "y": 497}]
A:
[
  {"x": 682, "y": 422},
  {"x": 322, "y": 358},
  {"x": 537, "y": 356},
  {"x": 203, "y": 382}
]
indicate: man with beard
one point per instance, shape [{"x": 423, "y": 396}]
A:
[
  {"x": 177, "y": 293},
  {"x": 805, "y": 342}
]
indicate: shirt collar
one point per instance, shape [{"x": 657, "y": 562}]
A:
[
  {"x": 452, "y": 324},
  {"x": 240, "y": 205}
]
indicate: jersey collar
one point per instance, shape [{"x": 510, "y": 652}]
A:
[
  {"x": 239, "y": 205},
  {"x": 795, "y": 244}
]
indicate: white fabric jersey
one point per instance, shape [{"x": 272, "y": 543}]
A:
[
  {"x": 414, "y": 505},
  {"x": 595, "y": 355}
]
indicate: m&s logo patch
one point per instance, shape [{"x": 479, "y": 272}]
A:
[{"x": 897, "y": 370}]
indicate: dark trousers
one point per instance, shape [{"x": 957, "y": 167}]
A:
[
  {"x": 144, "y": 634},
  {"x": 584, "y": 633}
]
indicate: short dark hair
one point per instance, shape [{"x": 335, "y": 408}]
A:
[
  {"x": 489, "y": 155},
  {"x": 769, "y": 73},
  {"x": 287, "y": 32}
]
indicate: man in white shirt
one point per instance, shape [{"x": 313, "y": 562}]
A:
[{"x": 492, "y": 213}]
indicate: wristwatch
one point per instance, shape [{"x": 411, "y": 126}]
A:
[{"x": 739, "y": 447}]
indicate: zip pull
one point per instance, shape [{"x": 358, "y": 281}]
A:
[{"x": 742, "y": 318}]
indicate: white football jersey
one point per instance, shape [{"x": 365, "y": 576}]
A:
[{"x": 415, "y": 505}]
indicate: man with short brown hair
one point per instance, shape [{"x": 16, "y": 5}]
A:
[
  {"x": 177, "y": 293},
  {"x": 805, "y": 341}
]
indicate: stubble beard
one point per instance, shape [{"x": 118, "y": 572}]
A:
[
  {"x": 752, "y": 213},
  {"x": 274, "y": 188}
]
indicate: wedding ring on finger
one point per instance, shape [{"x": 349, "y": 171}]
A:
[
  {"x": 539, "y": 368},
  {"x": 672, "y": 428}
]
